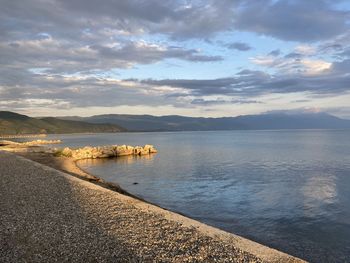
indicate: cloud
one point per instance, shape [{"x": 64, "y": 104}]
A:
[
  {"x": 305, "y": 50},
  {"x": 206, "y": 102},
  {"x": 239, "y": 46},
  {"x": 252, "y": 84},
  {"x": 293, "y": 63},
  {"x": 70, "y": 18},
  {"x": 313, "y": 67},
  {"x": 296, "y": 20},
  {"x": 65, "y": 57},
  {"x": 29, "y": 89},
  {"x": 79, "y": 92},
  {"x": 274, "y": 53},
  {"x": 144, "y": 53},
  {"x": 60, "y": 53}
]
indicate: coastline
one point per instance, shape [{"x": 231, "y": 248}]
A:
[
  {"x": 70, "y": 166},
  {"x": 19, "y": 136}
]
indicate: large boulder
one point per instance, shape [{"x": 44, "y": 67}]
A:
[
  {"x": 150, "y": 148},
  {"x": 83, "y": 153},
  {"x": 66, "y": 152},
  {"x": 107, "y": 152},
  {"x": 124, "y": 150},
  {"x": 138, "y": 150}
]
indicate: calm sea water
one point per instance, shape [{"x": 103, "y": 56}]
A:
[{"x": 286, "y": 189}]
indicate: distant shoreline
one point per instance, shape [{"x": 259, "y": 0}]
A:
[{"x": 18, "y": 136}]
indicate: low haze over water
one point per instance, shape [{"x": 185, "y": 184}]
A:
[{"x": 285, "y": 189}]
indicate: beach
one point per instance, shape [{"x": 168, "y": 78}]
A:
[{"x": 48, "y": 215}]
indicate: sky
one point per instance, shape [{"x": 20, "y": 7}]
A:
[{"x": 165, "y": 57}]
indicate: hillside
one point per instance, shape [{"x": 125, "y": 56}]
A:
[
  {"x": 14, "y": 123},
  {"x": 248, "y": 122}
]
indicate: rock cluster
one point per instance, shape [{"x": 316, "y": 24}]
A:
[
  {"x": 89, "y": 152},
  {"x": 39, "y": 142}
]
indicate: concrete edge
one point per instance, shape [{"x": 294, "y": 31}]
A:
[{"x": 265, "y": 253}]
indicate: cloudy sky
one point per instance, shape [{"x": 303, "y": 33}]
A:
[{"x": 161, "y": 57}]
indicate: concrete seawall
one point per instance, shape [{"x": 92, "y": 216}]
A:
[{"x": 47, "y": 215}]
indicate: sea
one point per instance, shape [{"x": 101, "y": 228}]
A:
[{"x": 287, "y": 189}]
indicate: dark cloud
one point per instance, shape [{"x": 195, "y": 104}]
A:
[
  {"x": 300, "y": 101},
  {"x": 66, "y": 37},
  {"x": 274, "y": 53},
  {"x": 62, "y": 57},
  {"x": 296, "y": 20},
  {"x": 204, "y": 102},
  {"x": 331, "y": 48},
  {"x": 178, "y": 19},
  {"x": 255, "y": 83},
  {"x": 342, "y": 53},
  {"x": 144, "y": 53},
  {"x": 68, "y": 19},
  {"x": 241, "y": 46},
  {"x": 294, "y": 55},
  {"x": 198, "y": 19},
  {"x": 57, "y": 91},
  {"x": 150, "y": 10},
  {"x": 341, "y": 67}
]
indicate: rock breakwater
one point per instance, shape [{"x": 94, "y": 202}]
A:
[{"x": 89, "y": 152}]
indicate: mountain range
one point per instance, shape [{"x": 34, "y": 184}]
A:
[
  {"x": 266, "y": 121},
  {"x": 13, "y": 123}
]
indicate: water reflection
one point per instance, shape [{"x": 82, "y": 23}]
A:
[
  {"x": 122, "y": 160},
  {"x": 318, "y": 192}
]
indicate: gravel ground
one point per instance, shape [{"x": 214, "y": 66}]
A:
[{"x": 48, "y": 217}]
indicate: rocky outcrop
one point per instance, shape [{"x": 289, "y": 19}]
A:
[
  {"x": 89, "y": 152},
  {"x": 41, "y": 142}
]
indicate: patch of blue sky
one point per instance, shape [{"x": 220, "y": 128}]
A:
[{"x": 342, "y": 5}]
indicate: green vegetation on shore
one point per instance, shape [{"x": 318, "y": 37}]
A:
[{"x": 13, "y": 123}]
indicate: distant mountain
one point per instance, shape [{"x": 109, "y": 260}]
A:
[
  {"x": 14, "y": 123},
  {"x": 265, "y": 121}
]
